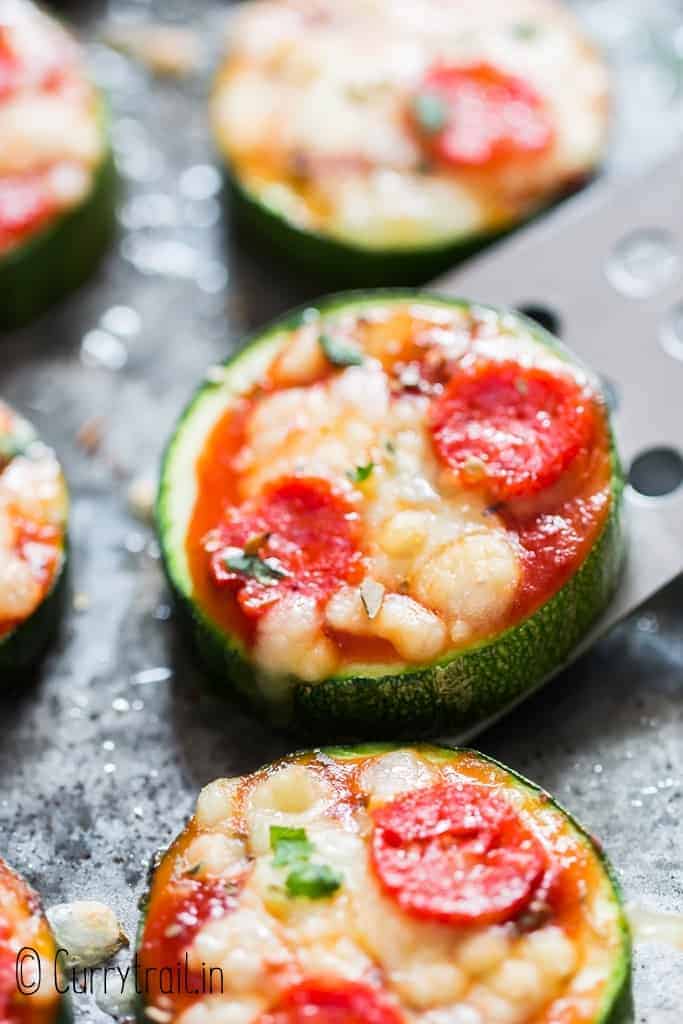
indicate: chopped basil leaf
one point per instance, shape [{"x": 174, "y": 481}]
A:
[
  {"x": 289, "y": 845},
  {"x": 525, "y": 30},
  {"x": 195, "y": 869},
  {"x": 522, "y": 386},
  {"x": 360, "y": 473},
  {"x": 339, "y": 353},
  {"x": 430, "y": 112},
  {"x": 265, "y": 570},
  {"x": 313, "y": 881}
]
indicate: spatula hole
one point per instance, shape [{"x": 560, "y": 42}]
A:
[
  {"x": 656, "y": 472},
  {"x": 672, "y": 332},
  {"x": 642, "y": 263},
  {"x": 544, "y": 316}
]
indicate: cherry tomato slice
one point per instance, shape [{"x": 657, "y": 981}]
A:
[
  {"x": 301, "y": 533},
  {"x": 341, "y": 1002},
  {"x": 456, "y": 853},
  {"x": 25, "y": 205},
  {"x": 513, "y": 429},
  {"x": 476, "y": 115}
]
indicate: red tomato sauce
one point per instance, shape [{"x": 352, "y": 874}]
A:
[
  {"x": 175, "y": 916},
  {"x": 553, "y": 544},
  {"x": 13, "y": 1008},
  {"x": 527, "y": 840},
  {"x": 39, "y": 544},
  {"x": 27, "y": 204},
  {"x": 27, "y": 200},
  {"x": 541, "y": 447}
]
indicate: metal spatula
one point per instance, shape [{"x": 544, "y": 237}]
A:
[{"x": 607, "y": 269}]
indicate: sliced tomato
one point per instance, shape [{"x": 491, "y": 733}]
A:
[
  {"x": 339, "y": 1002},
  {"x": 476, "y": 115},
  {"x": 302, "y": 533},
  {"x": 457, "y": 853},
  {"x": 513, "y": 429},
  {"x": 26, "y": 203}
]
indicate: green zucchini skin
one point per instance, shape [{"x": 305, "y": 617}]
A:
[
  {"x": 456, "y": 695},
  {"x": 342, "y": 263},
  {"x": 57, "y": 260},
  {"x": 22, "y": 649},
  {"x": 345, "y": 265},
  {"x": 617, "y": 1006},
  {"x": 65, "y": 1015},
  {"x": 63, "y": 1012}
]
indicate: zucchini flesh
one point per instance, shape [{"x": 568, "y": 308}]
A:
[
  {"x": 408, "y": 183},
  {"x": 62, "y": 256},
  {"x": 22, "y": 645},
  {"x": 459, "y": 691},
  {"x": 284, "y": 818}
]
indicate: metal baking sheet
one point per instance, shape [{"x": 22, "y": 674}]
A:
[{"x": 101, "y": 758}]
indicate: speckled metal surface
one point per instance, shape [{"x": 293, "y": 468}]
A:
[{"x": 100, "y": 764}]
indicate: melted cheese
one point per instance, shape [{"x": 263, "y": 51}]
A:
[
  {"x": 324, "y": 140},
  {"x": 32, "y": 498},
  {"x": 439, "y": 562},
  {"x": 49, "y": 123},
  {"x": 23, "y": 925},
  {"x": 435, "y": 973}
]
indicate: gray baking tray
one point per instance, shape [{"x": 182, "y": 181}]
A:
[{"x": 101, "y": 756}]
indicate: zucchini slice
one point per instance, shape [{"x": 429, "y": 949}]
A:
[
  {"x": 31, "y": 989},
  {"x": 289, "y": 893},
  {"x": 33, "y": 543},
  {"x": 391, "y": 514},
  {"x": 451, "y": 124},
  {"x": 57, "y": 176}
]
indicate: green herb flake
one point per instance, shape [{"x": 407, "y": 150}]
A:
[
  {"x": 338, "y": 352},
  {"x": 430, "y": 112},
  {"x": 522, "y": 386},
  {"x": 290, "y": 845},
  {"x": 265, "y": 570},
  {"x": 195, "y": 869},
  {"x": 313, "y": 881},
  {"x": 360, "y": 474},
  {"x": 524, "y": 30}
]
